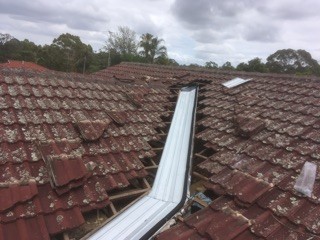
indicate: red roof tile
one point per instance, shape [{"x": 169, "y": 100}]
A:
[
  {"x": 56, "y": 121},
  {"x": 23, "y": 65},
  {"x": 15, "y": 193},
  {"x": 256, "y": 173},
  {"x": 66, "y": 141}
]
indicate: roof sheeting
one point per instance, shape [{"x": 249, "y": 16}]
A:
[
  {"x": 170, "y": 185},
  {"x": 235, "y": 82}
]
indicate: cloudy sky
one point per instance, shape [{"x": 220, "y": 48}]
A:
[{"x": 195, "y": 31}]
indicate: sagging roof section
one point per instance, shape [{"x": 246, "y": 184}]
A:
[{"x": 168, "y": 194}]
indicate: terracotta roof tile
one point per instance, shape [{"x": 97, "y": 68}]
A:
[
  {"x": 16, "y": 193},
  {"x": 252, "y": 177},
  {"x": 29, "y": 229},
  {"x": 23, "y": 65},
  {"x": 74, "y": 139},
  {"x": 255, "y": 175}
]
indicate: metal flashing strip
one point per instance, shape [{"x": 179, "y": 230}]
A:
[
  {"x": 235, "y": 82},
  {"x": 168, "y": 194}
]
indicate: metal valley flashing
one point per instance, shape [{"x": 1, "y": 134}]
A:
[{"x": 169, "y": 191}]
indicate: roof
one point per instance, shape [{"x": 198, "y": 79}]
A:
[
  {"x": 251, "y": 143},
  {"x": 23, "y": 65},
  {"x": 70, "y": 144}
]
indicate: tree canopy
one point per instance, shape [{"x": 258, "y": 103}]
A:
[
  {"x": 152, "y": 48},
  {"x": 123, "y": 41},
  {"x": 68, "y": 53},
  {"x": 292, "y": 61},
  {"x": 254, "y": 65},
  {"x": 211, "y": 65}
]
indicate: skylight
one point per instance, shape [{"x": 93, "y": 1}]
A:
[{"x": 235, "y": 82}]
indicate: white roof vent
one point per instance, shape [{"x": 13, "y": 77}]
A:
[
  {"x": 235, "y": 82},
  {"x": 304, "y": 183}
]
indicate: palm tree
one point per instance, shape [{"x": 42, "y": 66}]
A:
[{"x": 151, "y": 47}]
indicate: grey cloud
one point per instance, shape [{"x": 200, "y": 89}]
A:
[
  {"x": 210, "y": 36},
  {"x": 261, "y": 33},
  {"x": 208, "y": 13},
  {"x": 193, "y": 13},
  {"x": 291, "y": 9},
  {"x": 40, "y": 11}
]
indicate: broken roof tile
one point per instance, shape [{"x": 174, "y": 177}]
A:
[
  {"x": 247, "y": 127},
  {"x": 42, "y": 108},
  {"x": 92, "y": 130},
  {"x": 118, "y": 117},
  {"x": 65, "y": 168}
]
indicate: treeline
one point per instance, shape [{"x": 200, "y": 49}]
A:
[
  {"x": 289, "y": 61},
  {"x": 69, "y": 54}
]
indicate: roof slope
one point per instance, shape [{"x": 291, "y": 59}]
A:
[
  {"x": 251, "y": 143},
  {"x": 23, "y": 65},
  {"x": 66, "y": 142}
]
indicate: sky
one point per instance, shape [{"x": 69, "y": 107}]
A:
[{"x": 194, "y": 31}]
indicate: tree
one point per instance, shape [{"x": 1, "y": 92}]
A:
[
  {"x": 11, "y": 50},
  {"x": 29, "y": 51},
  {"x": 211, "y": 65},
  {"x": 293, "y": 61},
  {"x": 227, "y": 66},
  {"x": 194, "y": 65},
  {"x": 254, "y": 65},
  {"x": 152, "y": 48},
  {"x": 242, "y": 67},
  {"x": 67, "y": 53},
  {"x": 5, "y": 37},
  {"x": 164, "y": 60},
  {"x": 122, "y": 42}
]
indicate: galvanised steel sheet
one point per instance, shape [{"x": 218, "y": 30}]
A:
[{"x": 169, "y": 190}]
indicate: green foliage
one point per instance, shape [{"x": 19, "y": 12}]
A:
[
  {"x": 227, "y": 66},
  {"x": 11, "y": 50},
  {"x": 152, "y": 50},
  {"x": 122, "y": 42},
  {"x": 211, "y": 65},
  {"x": 5, "y": 37},
  {"x": 293, "y": 61},
  {"x": 254, "y": 65},
  {"x": 69, "y": 54},
  {"x": 194, "y": 65}
]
